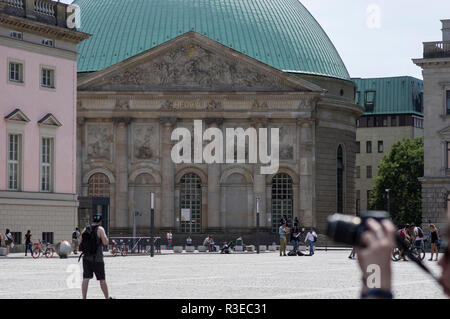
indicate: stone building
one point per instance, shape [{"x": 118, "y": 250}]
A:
[
  {"x": 393, "y": 110},
  {"x": 38, "y": 61},
  {"x": 270, "y": 65},
  {"x": 436, "y": 180}
]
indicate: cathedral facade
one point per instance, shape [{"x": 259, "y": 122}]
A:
[{"x": 128, "y": 111}]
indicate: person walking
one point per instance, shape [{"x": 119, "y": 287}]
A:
[
  {"x": 9, "y": 241},
  {"x": 282, "y": 233},
  {"x": 92, "y": 240},
  {"x": 28, "y": 243},
  {"x": 434, "y": 232},
  {"x": 75, "y": 244},
  {"x": 352, "y": 253},
  {"x": 310, "y": 239}
]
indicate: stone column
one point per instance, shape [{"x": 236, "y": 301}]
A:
[
  {"x": 259, "y": 183},
  {"x": 121, "y": 172},
  {"x": 307, "y": 184},
  {"x": 81, "y": 142},
  {"x": 214, "y": 191},
  {"x": 167, "y": 215}
]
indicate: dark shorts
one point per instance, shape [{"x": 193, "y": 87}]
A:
[{"x": 90, "y": 268}]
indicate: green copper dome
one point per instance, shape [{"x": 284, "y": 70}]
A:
[{"x": 280, "y": 33}]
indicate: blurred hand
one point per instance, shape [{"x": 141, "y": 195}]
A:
[{"x": 379, "y": 242}]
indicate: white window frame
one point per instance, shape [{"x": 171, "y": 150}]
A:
[
  {"x": 21, "y": 80},
  {"x": 52, "y": 71},
  {"x": 48, "y": 42},
  {"x": 15, "y": 35},
  {"x": 47, "y": 164},
  {"x": 47, "y": 133}
]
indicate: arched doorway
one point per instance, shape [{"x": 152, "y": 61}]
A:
[
  {"x": 99, "y": 192},
  {"x": 282, "y": 199},
  {"x": 191, "y": 198}
]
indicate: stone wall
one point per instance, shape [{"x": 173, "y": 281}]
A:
[
  {"x": 327, "y": 143},
  {"x": 39, "y": 213}
]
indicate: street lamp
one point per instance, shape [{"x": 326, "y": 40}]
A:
[
  {"x": 388, "y": 201},
  {"x": 257, "y": 225},
  {"x": 152, "y": 224}
]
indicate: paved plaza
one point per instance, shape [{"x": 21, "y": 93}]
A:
[{"x": 243, "y": 276}]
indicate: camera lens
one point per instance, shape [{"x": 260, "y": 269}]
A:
[{"x": 344, "y": 228}]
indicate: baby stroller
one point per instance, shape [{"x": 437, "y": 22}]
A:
[{"x": 227, "y": 248}]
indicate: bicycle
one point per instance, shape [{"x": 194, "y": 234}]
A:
[
  {"x": 417, "y": 252},
  {"x": 122, "y": 248},
  {"x": 39, "y": 249}
]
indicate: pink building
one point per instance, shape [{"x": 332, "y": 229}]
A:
[{"x": 38, "y": 64}]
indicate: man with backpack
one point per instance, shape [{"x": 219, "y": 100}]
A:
[{"x": 91, "y": 242}]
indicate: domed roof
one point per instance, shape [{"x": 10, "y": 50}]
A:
[{"x": 280, "y": 33}]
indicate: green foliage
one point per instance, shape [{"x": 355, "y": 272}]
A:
[{"x": 400, "y": 171}]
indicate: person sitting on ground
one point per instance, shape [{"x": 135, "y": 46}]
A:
[{"x": 212, "y": 246}]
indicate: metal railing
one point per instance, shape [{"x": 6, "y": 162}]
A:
[{"x": 433, "y": 50}]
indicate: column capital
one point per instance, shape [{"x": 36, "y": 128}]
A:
[
  {"x": 168, "y": 121},
  {"x": 81, "y": 120},
  {"x": 258, "y": 122},
  {"x": 308, "y": 121},
  {"x": 214, "y": 122},
  {"x": 122, "y": 119}
]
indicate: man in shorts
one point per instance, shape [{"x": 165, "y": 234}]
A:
[{"x": 94, "y": 264}]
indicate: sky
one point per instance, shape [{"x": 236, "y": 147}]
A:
[{"x": 378, "y": 38}]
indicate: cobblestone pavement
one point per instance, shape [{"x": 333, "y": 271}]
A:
[{"x": 249, "y": 276}]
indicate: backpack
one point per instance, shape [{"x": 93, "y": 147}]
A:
[
  {"x": 89, "y": 242},
  {"x": 74, "y": 235}
]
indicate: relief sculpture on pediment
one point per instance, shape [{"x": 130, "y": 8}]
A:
[{"x": 191, "y": 66}]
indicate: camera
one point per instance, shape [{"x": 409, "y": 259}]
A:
[{"x": 347, "y": 229}]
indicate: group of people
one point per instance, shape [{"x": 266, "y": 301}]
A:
[
  {"x": 209, "y": 242},
  {"x": 294, "y": 234},
  {"x": 414, "y": 235}
]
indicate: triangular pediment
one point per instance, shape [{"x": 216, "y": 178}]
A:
[
  {"x": 445, "y": 133},
  {"x": 49, "y": 120},
  {"x": 17, "y": 116},
  {"x": 193, "y": 62}
]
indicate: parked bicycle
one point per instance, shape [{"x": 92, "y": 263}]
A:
[
  {"x": 119, "y": 248},
  {"x": 43, "y": 249}
]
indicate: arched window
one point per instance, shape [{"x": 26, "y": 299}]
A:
[
  {"x": 191, "y": 198},
  {"x": 282, "y": 199},
  {"x": 98, "y": 186},
  {"x": 340, "y": 180}
]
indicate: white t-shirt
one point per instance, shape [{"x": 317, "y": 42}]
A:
[{"x": 310, "y": 236}]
